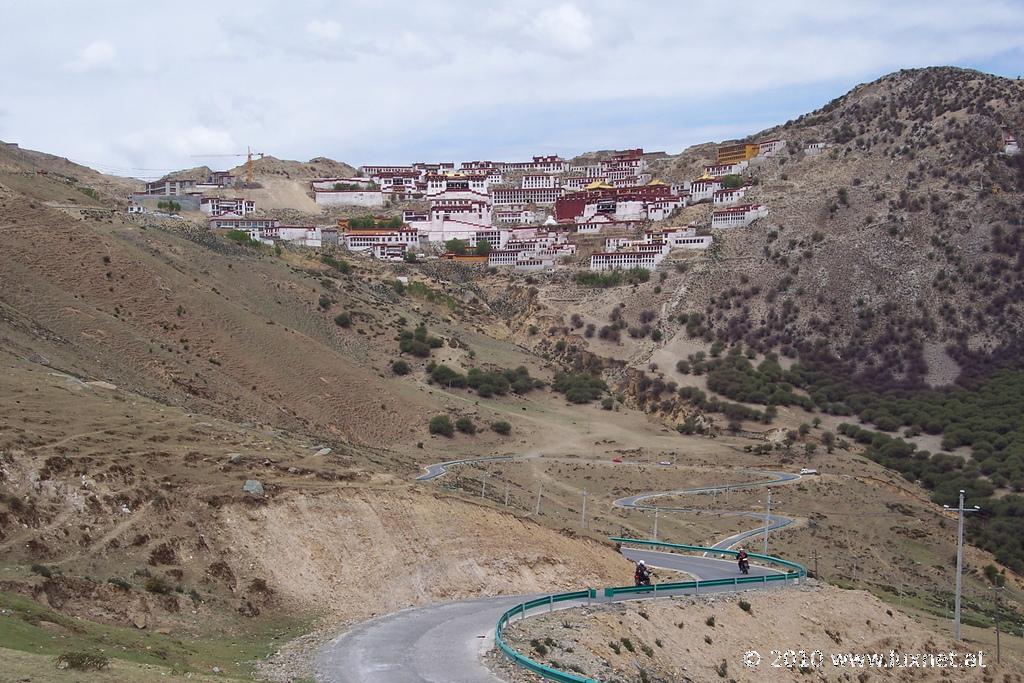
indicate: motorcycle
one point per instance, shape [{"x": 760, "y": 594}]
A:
[
  {"x": 642, "y": 578},
  {"x": 744, "y": 564}
]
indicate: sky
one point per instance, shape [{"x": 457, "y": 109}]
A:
[{"x": 143, "y": 88}]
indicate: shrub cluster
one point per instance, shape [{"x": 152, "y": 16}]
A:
[
  {"x": 613, "y": 278},
  {"x": 579, "y": 387},
  {"x": 418, "y": 342}
]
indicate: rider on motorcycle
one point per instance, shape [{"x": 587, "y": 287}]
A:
[
  {"x": 642, "y": 575},
  {"x": 742, "y": 561}
]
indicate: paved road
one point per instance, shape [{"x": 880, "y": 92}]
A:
[
  {"x": 444, "y": 643},
  {"x": 437, "y": 469},
  {"x": 642, "y": 502}
]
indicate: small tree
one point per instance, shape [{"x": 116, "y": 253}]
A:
[
  {"x": 483, "y": 248},
  {"x": 440, "y": 424},
  {"x": 501, "y": 427},
  {"x": 400, "y": 367},
  {"x": 457, "y": 247},
  {"x": 829, "y": 439}
]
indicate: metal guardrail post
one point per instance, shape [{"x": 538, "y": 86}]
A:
[{"x": 551, "y": 603}]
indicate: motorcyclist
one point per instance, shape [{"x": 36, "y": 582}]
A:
[
  {"x": 742, "y": 561},
  {"x": 642, "y": 575}
]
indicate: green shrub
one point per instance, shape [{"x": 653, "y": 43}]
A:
[
  {"x": 501, "y": 427},
  {"x": 744, "y": 605},
  {"x": 447, "y": 377},
  {"x": 41, "y": 570},
  {"x": 157, "y": 584},
  {"x": 241, "y": 238},
  {"x": 441, "y": 424},
  {"x": 119, "y": 583},
  {"x": 465, "y": 425},
  {"x": 343, "y": 320},
  {"x": 338, "y": 264},
  {"x": 457, "y": 247},
  {"x": 83, "y": 661},
  {"x": 400, "y": 367},
  {"x": 579, "y": 387},
  {"x": 613, "y": 278}
]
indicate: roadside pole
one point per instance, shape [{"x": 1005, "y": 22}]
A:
[
  {"x": 767, "y": 517},
  {"x": 959, "y": 562},
  {"x": 540, "y": 492},
  {"x": 583, "y": 512}
]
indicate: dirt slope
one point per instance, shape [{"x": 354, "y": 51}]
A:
[{"x": 704, "y": 639}]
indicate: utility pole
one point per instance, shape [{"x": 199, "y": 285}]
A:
[
  {"x": 483, "y": 485},
  {"x": 767, "y": 517},
  {"x": 508, "y": 487},
  {"x": 998, "y": 606},
  {"x": 655, "y": 524},
  {"x": 816, "y": 575},
  {"x": 959, "y": 562},
  {"x": 583, "y": 512},
  {"x": 540, "y": 491}
]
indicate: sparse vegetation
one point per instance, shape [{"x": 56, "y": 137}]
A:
[{"x": 83, "y": 661}]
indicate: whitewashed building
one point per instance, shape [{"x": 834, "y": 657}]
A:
[
  {"x": 1010, "y": 146},
  {"x": 517, "y": 216},
  {"x": 728, "y": 196},
  {"x": 218, "y": 206},
  {"x": 726, "y": 169},
  {"x": 367, "y": 240},
  {"x": 615, "y": 260},
  {"x": 501, "y": 196},
  {"x": 367, "y": 198},
  {"x": 703, "y": 189},
  {"x": 767, "y": 148},
  {"x": 532, "y": 181},
  {"x": 738, "y": 216},
  {"x": 235, "y": 222}
]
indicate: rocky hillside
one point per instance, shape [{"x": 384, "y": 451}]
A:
[{"x": 905, "y": 231}]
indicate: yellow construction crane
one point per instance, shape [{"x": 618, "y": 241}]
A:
[{"x": 249, "y": 154}]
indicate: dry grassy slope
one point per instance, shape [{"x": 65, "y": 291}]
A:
[
  {"x": 216, "y": 329},
  {"x": 46, "y": 177},
  {"x": 684, "y": 646}
]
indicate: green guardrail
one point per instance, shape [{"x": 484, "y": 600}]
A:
[{"x": 795, "y": 571}]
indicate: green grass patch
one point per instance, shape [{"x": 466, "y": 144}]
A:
[
  {"x": 422, "y": 291},
  {"x": 30, "y": 627}
]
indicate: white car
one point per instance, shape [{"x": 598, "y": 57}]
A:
[
  {"x": 665, "y": 462},
  {"x": 807, "y": 470}
]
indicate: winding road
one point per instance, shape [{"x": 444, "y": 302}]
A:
[{"x": 445, "y": 643}]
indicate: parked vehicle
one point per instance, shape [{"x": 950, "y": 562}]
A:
[{"x": 808, "y": 470}]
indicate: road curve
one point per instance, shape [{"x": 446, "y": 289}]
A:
[
  {"x": 444, "y": 643},
  {"x": 437, "y": 469},
  {"x": 774, "y": 521}
]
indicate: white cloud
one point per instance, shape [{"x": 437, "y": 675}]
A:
[
  {"x": 202, "y": 140},
  {"x": 436, "y": 79},
  {"x": 96, "y": 55},
  {"x": 564, "y": 29},
  {"x": 325, "y": 29}
]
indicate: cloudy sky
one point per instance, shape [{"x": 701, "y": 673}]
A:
[{"x": 140, "y": 88}]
